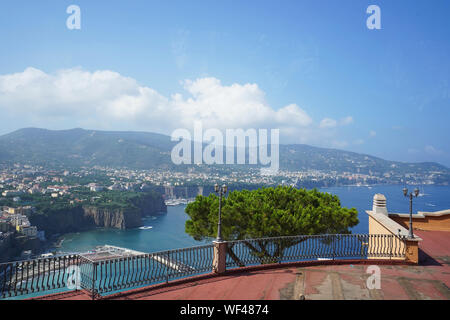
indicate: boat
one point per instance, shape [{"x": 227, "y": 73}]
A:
[{"x": 172, "y": 202}]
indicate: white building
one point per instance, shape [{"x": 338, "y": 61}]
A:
[
  {"x": 30, "y": 231},
  {"x": 19, "y": 220},
  {"x": 96, "y": 188}
]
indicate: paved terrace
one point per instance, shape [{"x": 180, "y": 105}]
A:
[{"x": 428, "y": 280}]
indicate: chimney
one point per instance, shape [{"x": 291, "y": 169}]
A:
[{"x": 379, "y": 204}]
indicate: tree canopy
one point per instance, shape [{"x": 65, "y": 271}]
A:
[{"x": 269, "y": 212}]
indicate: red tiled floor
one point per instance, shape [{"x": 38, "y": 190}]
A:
[
  {"x": 435, "y": 243},
  {"x": 392, "y": 290}
]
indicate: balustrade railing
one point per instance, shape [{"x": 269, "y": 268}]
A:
[
  {"x": 34, "y": 276},
  {"x": 102, "y": 276},
  {"x": 312, "y": 247}
]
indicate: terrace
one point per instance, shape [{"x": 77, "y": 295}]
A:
[{"x": 298, "y": 267}]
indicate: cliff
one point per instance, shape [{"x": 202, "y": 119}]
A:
[
  {"x": 12, "y": 247},
  {"x": 86, "y": 217},
  {"x": 153, "y": 203},
  {"x": 116, "y": 218},
  {"x": 61, "y": 220}
]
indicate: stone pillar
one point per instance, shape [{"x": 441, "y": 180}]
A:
[
  {"x": 412, "y": 251},
  {"x": 220, "y": 256}
]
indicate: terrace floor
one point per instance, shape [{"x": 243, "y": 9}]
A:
[{"x": 428, "y": 280}]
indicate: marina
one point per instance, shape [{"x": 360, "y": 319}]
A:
[{"x": 177, "y": 202}]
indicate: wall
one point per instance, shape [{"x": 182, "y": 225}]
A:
[
  {"x": 425, "y": 220},
  {"x": 375, "y": 227}
]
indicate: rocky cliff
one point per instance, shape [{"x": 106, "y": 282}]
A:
[
  {"x": 117, "y": 218},
  {"x": 82, "y": 218},
  {"x": 151, "y": 204},
  {"x": 61, "y": 221},
  {"x": 12, "y": 247}
]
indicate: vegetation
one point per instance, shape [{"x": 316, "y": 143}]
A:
[
  {"x": 140, "y": 150},
  {"x": 269, "y": 212},
  {"x": 121, "y": 199},
  {"x": 46, "y": 205},
  {"x": 64, "y": 214}
]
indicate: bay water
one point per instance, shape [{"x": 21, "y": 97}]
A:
[{"x": 167, "y": 231}]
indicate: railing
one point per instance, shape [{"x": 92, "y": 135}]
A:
[
  {"x": 101, "y": 276},
  {"x": 305, "y": 248},
  {"x": 113, "y": 275},
  {"x": 33, "y": 276}
]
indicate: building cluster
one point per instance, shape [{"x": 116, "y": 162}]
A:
[
  {"x": 21, "y": 179},
  {"x": 14, "y": 222}
]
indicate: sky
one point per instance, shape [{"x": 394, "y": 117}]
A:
[{"x": 312, "y": 69}]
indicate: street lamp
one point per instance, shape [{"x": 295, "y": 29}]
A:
[
  {"x": 221, "y": 190},
  {"x": 411, "y": 195}
]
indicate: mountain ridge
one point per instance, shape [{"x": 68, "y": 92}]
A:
[{"x": 147, "y": 150}]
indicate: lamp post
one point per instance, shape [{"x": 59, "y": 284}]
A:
[
  {"x": 221, "y": 190},
  {"x": 411, "y": 195}
]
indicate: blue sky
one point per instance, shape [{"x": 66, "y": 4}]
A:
[{"x": 381, "y": 92}]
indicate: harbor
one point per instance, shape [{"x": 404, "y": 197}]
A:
[{"x": 177, "y": 202}]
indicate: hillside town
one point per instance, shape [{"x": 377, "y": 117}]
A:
[
  {"x": 23, "y": 186},
  {"x": 18, "y": 179}
]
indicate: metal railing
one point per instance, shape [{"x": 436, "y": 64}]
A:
[
  {"x": 101, "y": 276},
  {"x": 33, "y": 276},
  {"x": 113, "y": 275}
]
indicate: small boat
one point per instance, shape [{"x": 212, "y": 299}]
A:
[{"x": 172, "y": 202}]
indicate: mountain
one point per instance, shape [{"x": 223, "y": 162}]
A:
[
  {"x": 308, "y": 157},
  {"x": 143, "y": 150},
  {"x": 78, "y": 147}
]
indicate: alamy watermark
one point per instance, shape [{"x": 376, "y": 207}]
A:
[
  {"x": 374, "y": 280},
  {"x": 73, "y": 278},
  {"x": 374, "y": 20},
  {"x": 74, "y": 20},
  {"x": 208, "y": 147}
]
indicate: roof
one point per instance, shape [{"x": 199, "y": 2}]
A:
[
  {"x": 391, "y": 225},
  {"x": 423, "y": 214}
]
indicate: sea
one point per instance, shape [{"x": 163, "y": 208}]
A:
[{"x": 167, "y": 231}]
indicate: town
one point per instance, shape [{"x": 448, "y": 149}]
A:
[{"x": 25, "y": 189}]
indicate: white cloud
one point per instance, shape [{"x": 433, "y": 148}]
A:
[
  {"x": 328, "y": 123},
  {"x": 372, "y": 133},
  {"x": 107, "y": 100},
  {"x": 332, "y": 123}
]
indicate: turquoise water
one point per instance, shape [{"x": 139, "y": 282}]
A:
[{"x": 167, "y": 230}]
